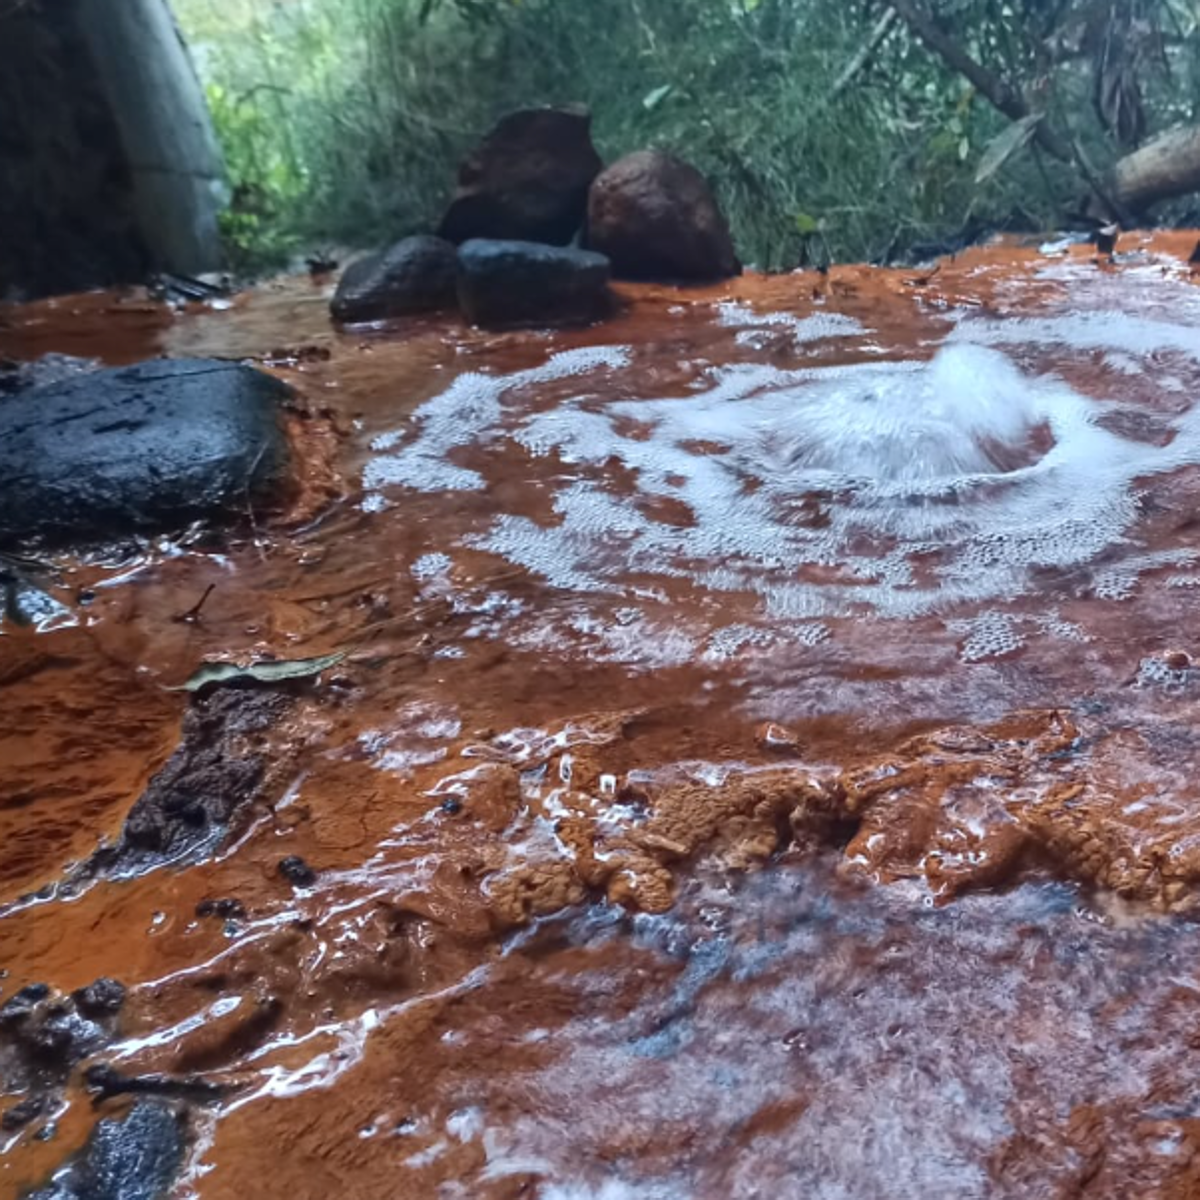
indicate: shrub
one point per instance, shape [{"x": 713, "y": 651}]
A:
[{"x": 344, "y": 120}]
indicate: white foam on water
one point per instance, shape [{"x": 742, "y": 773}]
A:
[
  {"x": 471, "y": 405},
  {"x": 900, "y": 487},
  {"x": 1117, "y": 333},
  {"x": 611, "y": 1189},
  {"x": 989, "y": 635},
  {"x": 803, "y": 330}
]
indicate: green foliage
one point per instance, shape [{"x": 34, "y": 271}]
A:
[{"x": 344, "y": 120}]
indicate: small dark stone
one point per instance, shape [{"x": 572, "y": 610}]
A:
[
  {"x": 22, "y": 1114},
  {"x": 226, "y": 909},
  {"x": 22, "y": 1003},
  {"x": 61, "y": 1037},
  {"x": 140, "y": 448},
  {"x": 452, "y": 807},
  {"x": 514, "y": 285},
  {"x": 100, "y": 999},
  {"x": 297, "y": 872},
  {"x": 1106, "y": 239},
  {"x": 415, "y": 275},
  {"x": 656, "y": 218},
  {"x": 321, "y": 263},
  {"x": 527, "y": 180}
]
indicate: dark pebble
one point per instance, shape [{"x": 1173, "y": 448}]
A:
[
  {"x": 22, "y": 1114},
  {"x": 297, "y": 872},
  {"x": 227, "y": 909},
  {"x": 102, "y": 998},
  {"x": 22, "y": 1003},
  {"x": 62, "y": 1038}
]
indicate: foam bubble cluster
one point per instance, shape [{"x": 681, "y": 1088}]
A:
[{"x": 895, "y": 487}]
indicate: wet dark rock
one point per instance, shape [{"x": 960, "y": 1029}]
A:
[
  {"x": 415, "y": 275},
  {"x": 226, "y": 909},
  {"x": 513, "y": 285},
  {"x": 528, "y": 180},
  {"x": 43, "y": 1037},
  {"x": 138, "y": 1158},
  {"x": 22, "y": 1114},
  {"x": 105, "y": 1081},
  {"x": 297, "y": 872},
  {"x": 656, "y": 218},
  {"x": 217, "y": 770},
  {"x": 140, "y": 448},
  {"x": 102, "y": 998},
  {"x": 60, "y": 1037},
  {"x": 22, "y": 1003}
]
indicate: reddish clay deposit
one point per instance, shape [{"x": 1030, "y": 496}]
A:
[{"x": 666, "y": 830}]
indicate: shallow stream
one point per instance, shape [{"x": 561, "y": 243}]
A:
[{"x": 763, "y": 761}]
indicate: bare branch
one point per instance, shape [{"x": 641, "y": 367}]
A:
[
  {"x": 1003, "y": 96},
  {"x": 866, "y": 52}
]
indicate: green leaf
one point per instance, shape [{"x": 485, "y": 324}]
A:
[
  {"x": 806, "y": 224},
  {"x": 656, "y": 97},
  {"x": 1014, "y": 139},
  {"x": 271, "y": 671}
]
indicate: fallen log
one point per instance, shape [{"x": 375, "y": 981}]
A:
[{"x": 1166, "y": 166}]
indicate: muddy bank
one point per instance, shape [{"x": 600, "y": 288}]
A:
[{"x": 762, "y": 754}]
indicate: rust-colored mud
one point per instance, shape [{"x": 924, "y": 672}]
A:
[{"x": 763, "y": 763}]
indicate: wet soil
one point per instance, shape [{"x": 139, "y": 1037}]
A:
[{"x": 640, "y": 845}]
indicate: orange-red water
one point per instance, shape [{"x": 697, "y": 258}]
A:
[{"x": 805, "y": 845}]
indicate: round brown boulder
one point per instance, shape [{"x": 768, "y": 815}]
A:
[
  {"x": 528, "y": 180},
  {"x": 655, "y": 218}
]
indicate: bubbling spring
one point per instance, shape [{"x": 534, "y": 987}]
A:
[{"x": 897, "y": 486}]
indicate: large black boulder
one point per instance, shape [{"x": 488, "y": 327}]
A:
[
  {"x": 143, "y": 448},
  {"x": 413, "y": 276},
  {"x": 515, "y": 285}
]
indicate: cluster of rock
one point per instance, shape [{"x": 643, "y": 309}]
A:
[{"x": 538, "y": 227}]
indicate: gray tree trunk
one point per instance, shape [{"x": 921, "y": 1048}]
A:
[{"x": 158, "y": 106}]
